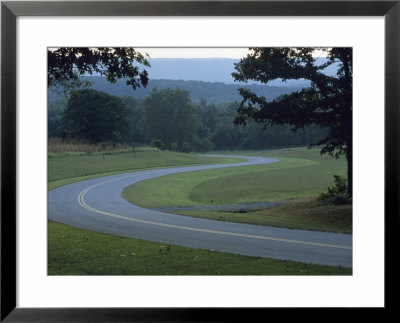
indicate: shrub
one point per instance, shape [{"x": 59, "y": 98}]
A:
[
  {"x": 336, "y": 194},
  {"x": 174, "y": 146},
  {"x": 185, "y": 147},
  {"x": 158, "y": 144},
  {"x": 58, "y": 145}
]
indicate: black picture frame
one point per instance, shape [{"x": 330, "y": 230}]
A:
[{"x": 10, "y": 10}]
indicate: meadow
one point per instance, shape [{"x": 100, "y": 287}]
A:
[
  {"x": 74, "y": 251},
  {"x": 86, "y": 162},
  {"x": 294, "y": 183}
]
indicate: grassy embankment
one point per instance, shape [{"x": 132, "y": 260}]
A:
[
  {"x": 73, "y": 251},
  {"x": 68, "y": 167},
  {"x": 295, "y": 181}
]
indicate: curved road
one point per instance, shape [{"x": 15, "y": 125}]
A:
[{"x": 97, "y": 204}]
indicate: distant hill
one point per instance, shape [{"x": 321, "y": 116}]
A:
[
  {"x": 209, "y": 70},
  {"x": 208, "y": 78},
  {"x": 215, "y": 92},
  {"x": 189, "y": 69}
]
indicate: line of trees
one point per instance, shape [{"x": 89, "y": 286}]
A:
[{"x": 168, "y": 117}]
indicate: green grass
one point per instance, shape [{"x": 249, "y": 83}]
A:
[
  {"x": 216, "y": 186},
  {"x": 300, "y": 174},
  {"x": 303, "y": 215},
  {"x": 66, "y": 168},
  {"x": 74, "y": 251}
]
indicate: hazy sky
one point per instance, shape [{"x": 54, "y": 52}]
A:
[
  {"x": 200, "y": 52},
  {"x": 203, "y": 52}
]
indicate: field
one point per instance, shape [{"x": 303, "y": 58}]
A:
[
  {"x": 294, "y": 182},
  {"x": 68, "y": 167},
  {"x": 73, "y": 251}
]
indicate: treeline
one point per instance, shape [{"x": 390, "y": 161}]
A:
[
  {"x": 216, "y": 92},
  {"x": 168, "y": 119}
]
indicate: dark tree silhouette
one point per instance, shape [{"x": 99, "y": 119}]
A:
[
  {"x": 169, "y": 115},
  {"x": 327, "y": 102},
  {"x": 158, "y": 144},
  {"x": 67, "y": 64},
  {"x": 96, "y": 117}
]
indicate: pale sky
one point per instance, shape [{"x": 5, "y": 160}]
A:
[
  {"x": 192, "y": 52},
  {"x": 202, "y": 52}
]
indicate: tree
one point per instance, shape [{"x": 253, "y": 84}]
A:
[
  {"x": 227, "y": 138},
  {"x": 174, "y": 146},
  {"x": 168, "y": 115},
  {"x": 104, "y": 146},
  {"x": 205, "y": 145},
  {"x": 96, "y": 117},
  {"x": 207, "y": 114},
  {"x": 67, "y": 64},
  {"x": 326, "y": 103},
  {"x": 55, "y": 109},
  {"x": 134, "y": 146},
  {"x": 185, "y": 147},
  {"x": 157, "y": 143},
  {"x": 135, "y": 115}
]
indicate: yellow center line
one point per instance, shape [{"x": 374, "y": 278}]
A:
[{"x": 82, "y": 203}]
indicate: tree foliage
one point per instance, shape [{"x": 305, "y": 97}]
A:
[
  {"x": 157, "y": 143},
  {"x": 326, "y": 103},
  {"x": 95, "y": 116},
  {"x": 168, "y": 114},
  {"x": 67, "y": 64},
  {"x": 336, "y": 194},
  {"x": 135, "y": 115},
  {"x": 55, "y": 110}
]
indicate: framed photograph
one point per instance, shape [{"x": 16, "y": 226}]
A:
[{"x": 36, "y": 282}]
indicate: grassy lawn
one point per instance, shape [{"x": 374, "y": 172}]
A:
[
  {"x": 66, "y": 168},
  {"x": 216, "y": 186},
  {"x": 300, "y": 174},
  {"x": 296, "y": 215},
  {"x": 75, "y": 251}
]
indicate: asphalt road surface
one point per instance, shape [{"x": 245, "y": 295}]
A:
[{"x": 97, "y": 204}]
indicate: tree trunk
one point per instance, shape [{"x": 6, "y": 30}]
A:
[{"x": 349, "y": 157}]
